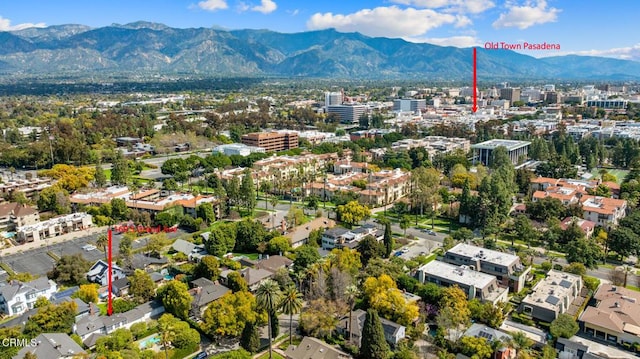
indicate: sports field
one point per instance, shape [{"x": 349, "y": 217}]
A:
[{"x": 620, "y": 174}]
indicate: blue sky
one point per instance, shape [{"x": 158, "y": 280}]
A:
[{"x": 589, "y": 27}]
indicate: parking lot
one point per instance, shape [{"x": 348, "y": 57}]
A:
[
  {"x": 421, "y": 246},
  {"x": 38, "y": 262}
]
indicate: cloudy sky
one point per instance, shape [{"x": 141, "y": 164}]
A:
[{"x": 588, "y": 27}]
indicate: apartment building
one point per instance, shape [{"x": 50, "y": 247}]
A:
[
  {"x": 14, "y": 215},
  {"x": 29, "y": 187},
  {"x": 507, "y": 268},
  {"x": 552, "y": 296},
  {"x": 271, "y": 141},
  {"x": 433, "y": 144},
  {"x": 476, "y": 284},
  {"x": 54, "y": 227}
]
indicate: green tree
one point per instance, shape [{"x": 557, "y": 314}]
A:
[
  {"x": 228, "y": 315},
  {"x": 208, "y": 267},
  {"x": 388, "y": 240},
  {"x": 585, "y": 251},
  {"x": 142, "y": 287},
  {"x": 476, "y": 347},
  {"x": 564, "y": 326},
  {"x": 291, "y": 303},
  {"x": 279, "y": 244},
  {"x": 248, "y": 191},
  {"x": 236, "y": 283},
  {"x": 624, "y": 241},
  {"x": 167, "y": 334},
  {"x": 268, "y": 296},
  {"x": 119, "y": 209},
  {"x": 100, "y": 178},
  {"x": 70, "y": 270},
  {"x": 206, "y": 212},
  {"x": 52, "y": 319},
  {"x": 222, "y": 239},
  {"x": 405, "y": 222},
  {"x": 102, "y": 242},
  {"x": 352, "y": 212},
  {"x": 463, "y": 235},
  {"x": 306, "y": 255},
  {"x": 248, "y": 234},
  {"x": 370, "y": 248},
  {"x": 176, "y": 298},
  {"x": 88, "y": 293},
  {"x": 374, "y": 345},
  {"x": 54, "y": 199},
  {"x": 250, "y": 338},
  {"x": 120, "y": 171}
]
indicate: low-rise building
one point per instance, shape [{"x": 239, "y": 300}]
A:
[
  {"x": 393, "y": 332},
  {"x": 339, "y": 237},
  {"x": 99, "y": 273},
  {"x": 300, "y": 235},
  {"x": 507, "y": 268},
  {"x": 552, "y": 296},
  {"x": 314, "y": 348},
  {"x": 483, "y": 152},
  {"x": 29, "y": 187},
  {"x": 605, "y": 212},
  {"x": 17, "y": 297},
  {"x": 476, "y": 284},
  {"x": 54, "y": 227},
  {"x": 615, "y": 316},
  {"x": 239, "y": 149},
  {"x": 203, "y": 293},
  {"x": 14, "y": 215},
  {"x": 52, "y": 346}
]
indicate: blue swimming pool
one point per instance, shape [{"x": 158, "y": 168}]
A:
[{"x": 149, "y": 342}]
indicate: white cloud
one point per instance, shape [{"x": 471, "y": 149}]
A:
[
  {"x": 467, "y": 6},
  {"x": 265, "y": 7},
  {"x": 213, "y": 5},
  {"x": 527, "y": 15},
  {"x": 383, "y": 21},
  {"x": 457, "y": 41},
  {"x": 623, "y": 53},
  {"x": 242, "y": 6},
  {"x": 5, "y": 25}
]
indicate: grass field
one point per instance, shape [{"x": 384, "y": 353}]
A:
[
  {"x": 275, "y": 356},
  {"x": 620, "y": 174}
]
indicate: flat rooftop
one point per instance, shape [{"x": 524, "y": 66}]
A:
[
  {"x": 509, "y": 144},
  {"x": 552, "y": 290},
  {"x": 485, "y": 255},
  {"x": 457, "y": 274}
]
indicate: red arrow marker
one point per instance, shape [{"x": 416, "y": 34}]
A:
[
  {"x": 474, "y": 108},
  {"x": 110, "y": 266}
]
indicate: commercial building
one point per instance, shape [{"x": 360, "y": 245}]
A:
[
  {"x": 476, "y": 284},
  {"x": 433, "y": 144},
  {"x": 271, "y": 141},
  {"x": 615, "y": 317},
  {"x": 556, "y": 294},
  {"x": 617, "y": 104},
  {"x": 506, "y": 267},
  {"x": 410, "y": 105},
  {"x": 348, "y": 113},
  {"x": 510, "y": 93},
  {"x": 237, "y": 149},
  {"x": 333, "y": 98},
  {"x": 483, "y": 152}
]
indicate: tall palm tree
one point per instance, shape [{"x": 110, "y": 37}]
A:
[
  {"x": 291, "y": 303},
  {"x": 103, "y": 241},
  {"x": 351, "y": 293},
  {"x": 268, "y": 297}
]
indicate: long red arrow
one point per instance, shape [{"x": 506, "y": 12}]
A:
[
  {"x": 474, "y": 108},
  {"x": 110, "y": 269}
]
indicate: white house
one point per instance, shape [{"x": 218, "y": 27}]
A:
[
  {"x": 17, "y": 297},
  {"x": 393, "y": 332},
  {"x": 99, "y": 273}
]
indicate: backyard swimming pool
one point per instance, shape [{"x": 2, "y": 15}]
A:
[{"x": 149, "y": 342}]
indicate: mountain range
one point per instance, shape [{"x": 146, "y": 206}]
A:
[{"x": 151, "y": 49}]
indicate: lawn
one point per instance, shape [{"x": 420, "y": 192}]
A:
[
  {"x": 274, "y": 356},
  {"x": 620, "y": 174},
  {"x": 252, "y": 256}
]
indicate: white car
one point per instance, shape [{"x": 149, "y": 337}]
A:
[{"x": 89, "y": 247}]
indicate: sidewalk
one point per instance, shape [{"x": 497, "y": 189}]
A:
[{"x": 54, "y": 240}]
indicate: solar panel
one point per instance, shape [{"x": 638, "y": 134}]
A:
[
  {"x": 553, "y": 300},
  {"x": 485, "y": 335},
  {"x": 565, "y": 283}
]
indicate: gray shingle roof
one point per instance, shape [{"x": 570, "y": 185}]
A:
[{"x": 51, "y": 346}]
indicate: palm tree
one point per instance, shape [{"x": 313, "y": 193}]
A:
[
  {"x": 351, "y": 293},
  {"x": 103, "y": 241},
  {"x": 268, "y": 297},
  {"x": 291, "y": 304},
  {"x": 166, "y": 330}
]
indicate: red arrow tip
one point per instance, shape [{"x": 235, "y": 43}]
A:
[{"x": 474, "y": 108}]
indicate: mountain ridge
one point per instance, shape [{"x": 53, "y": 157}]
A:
[{"x": 147, "y": 48}]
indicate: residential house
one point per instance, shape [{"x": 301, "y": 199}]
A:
[
  {"x": 203, "y": 293},
  {"x": 253, "y": 276},
  {"x": 92, "y": 327},
  {"x": 143, "y": 261},
  {"x": 52, "y": 346},
  {"x": 193, "y": 251},
  {"x": 312, "y": 348},
  {"x": 558, "y": 293},
  {"x": 503, "y": 351},
  {"x": 586, "y": 226},
  {"x": 476, "y": 284},
  {"x": 14, "y": 215},
  {"x": 507, "y": 268},
  {"x": 83, "y": 309},
  {"x": 333, "y": 237},
  {"x": 615, "y": 316},
  {"x": 338, "y": 237},
  {"x": 99, "y": 273},
  {"x": 300, "y": 234},
  {"x": 273, "y": 263},
  {"x": 571, "y": 349},
  {"x": 120, "y": 286},
  {"x": 393, "y": 332},
  {"x": 17, "y": 297},
  {"x": 605, "y": 212}
]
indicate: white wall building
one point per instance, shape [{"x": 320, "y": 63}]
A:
[{"x": 17, "y": 297}]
